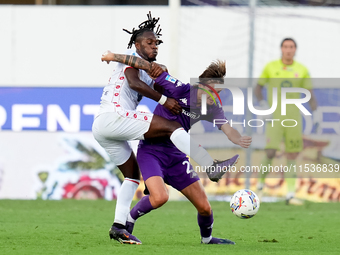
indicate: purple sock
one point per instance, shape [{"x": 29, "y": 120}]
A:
[
  {"x": 206, "y": 224},
  {"x": 142, "y": 207}
]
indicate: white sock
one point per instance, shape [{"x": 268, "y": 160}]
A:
[
  {"x": 124, "y": 199},
  {"x": 181, "y": 139},
  {"x": 206, "y": 239},
  {"x": 130, "y": 219}
]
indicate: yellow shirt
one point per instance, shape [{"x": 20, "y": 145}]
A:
[{"x": 278, "y": 75}]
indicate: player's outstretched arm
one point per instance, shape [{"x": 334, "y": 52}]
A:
[
  {"x": 153, "y": 69},
  {"x": 129, "y": 60},
  {"x": 234, "y": 136}
]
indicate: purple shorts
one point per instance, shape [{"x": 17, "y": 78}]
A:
[{"x": 169, "y": 163}]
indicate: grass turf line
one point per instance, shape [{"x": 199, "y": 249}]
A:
[{"x": 81, "y": 227}]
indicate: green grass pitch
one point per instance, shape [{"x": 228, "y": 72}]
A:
[{"x": 81, "y": 227}]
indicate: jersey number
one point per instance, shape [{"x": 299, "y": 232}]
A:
[{"x": 189, "y": 171}]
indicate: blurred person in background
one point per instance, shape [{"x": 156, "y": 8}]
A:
[{"x": 281, "y": 73}]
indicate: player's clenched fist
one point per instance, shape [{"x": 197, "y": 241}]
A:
[
  {"x": 244, "y": 141},
  {"x": 107, "y": 56},
  {"x": 173, "y": 106},
  {"x": 155, "y": 71}
]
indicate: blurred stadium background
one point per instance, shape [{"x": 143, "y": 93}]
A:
[{"x": 51, "y": 80}]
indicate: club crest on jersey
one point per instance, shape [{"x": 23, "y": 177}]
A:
[
  {"x": 171, "y": 79},
  {"x": 184, "y": 101}
]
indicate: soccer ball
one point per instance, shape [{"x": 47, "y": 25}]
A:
[{"x": 244, "y": 203}]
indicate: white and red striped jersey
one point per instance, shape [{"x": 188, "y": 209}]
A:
[{"x": 118, "y": 95}]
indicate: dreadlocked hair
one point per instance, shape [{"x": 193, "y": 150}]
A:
[
  {"x": 216, "y": 71},
  {"x": 147, "y": 25}
]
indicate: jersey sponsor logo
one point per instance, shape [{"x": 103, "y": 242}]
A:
[
  {"x": 289, "y": 69},
  {"x": 179, "y": 83},
  {"x": 192, "y": 115},
  {"x": 171, "y": 79},
  {"x": 184, "y": 101}
]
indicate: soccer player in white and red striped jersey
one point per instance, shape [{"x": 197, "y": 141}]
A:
[{"x": 118, "y": 121}]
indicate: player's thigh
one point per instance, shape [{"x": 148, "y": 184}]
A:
[
  {"x": 118, "y": 151},
  {"x": 182, "y": 177},
  {"x": 150, "y": 161},
  {"x": 293, "y": 139},
  {"x": 161, "y": 127},
  {"x": 197, "y": 196},
  {"x": 178, "y": 172},
  {"x": 122, "y": 125},
  {"x": 274, "y": 136}
]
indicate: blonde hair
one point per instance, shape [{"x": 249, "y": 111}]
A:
[{"x": 216, "y": 69}]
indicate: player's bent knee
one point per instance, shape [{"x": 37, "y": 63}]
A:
[
  {"x": 204, "y": 210},
  {"x": 160, "y": 199}
]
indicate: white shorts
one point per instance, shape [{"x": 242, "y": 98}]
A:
[{"x": 112, "y": 130}]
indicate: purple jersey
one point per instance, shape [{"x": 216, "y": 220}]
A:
[{"x": 186, "y": 95}]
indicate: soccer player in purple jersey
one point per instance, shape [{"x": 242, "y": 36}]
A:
[
  {"x": 118, "y": 121},
  {"x": 161, "y": 162}
]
